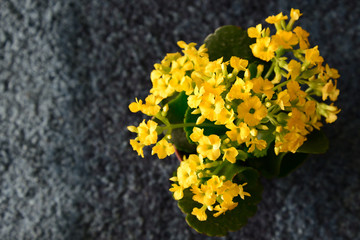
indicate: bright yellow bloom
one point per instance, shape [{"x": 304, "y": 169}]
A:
[
  {"x": 330, "y": 90},
  {"x": 328, "y": 111},
  {"x": 225, "y": 117},
  {"x": 332, "y": 72},
  {"x": 135, "y": 106},
  {"x": 196, "y": 162},
  {"x": 255, "y": 32},
  {"x": 259, "y": 144},
  {"x": 240, "y": 90},
  {"x": 264, "y": 86},
  {"x": 204, "y": 195},
  {"x": 151, "y": 107},
  {"x": 239, "y": 133},
  {"x": 283, "y": 99},
  {"x": 295, "y": 92},
  {"x": 137, "y": 146},
  {"x": 252, "y": 111},
  {"x": 178, "y": 191},
  {"x": 294, "y": 69},
  {"x": 200, "y": 213},
  {"x": 163, "y": 149},
  {"x": 284, "y": 39},
  {"x": 242, "y": 193},
  {"x": 303, "y": 37},
  {"x": 223, "y": 207},
  {"x": 292, "y": 141},
  {"x": 209, "y": 147},
  {"x": 185, "y": 175},
  {"x": 238, "y": 64},
  {"x": 263, "y": 48},
  {"x": 230, "y": 154},
  {"x": 312, "y": 56},
  {"x": 295, "y": 14},
  {"x": 276, "y": 19},
  {"x": 214, "y": 183},
  {"x": 211, "y": 106},
  {"x": 297, "y": 122},
  {"x": 196, "y": 134},
  {"x": 147, "y": 132},
  {"x": 195, "y": 99}
]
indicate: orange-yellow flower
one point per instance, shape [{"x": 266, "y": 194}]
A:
[
  {"x": 264, "y": 86},
  {"x": 263, "y": 48},
  {"x": 252, "y": 111}
]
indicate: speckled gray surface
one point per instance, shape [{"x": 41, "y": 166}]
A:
[{"x": 69, "y": 69}]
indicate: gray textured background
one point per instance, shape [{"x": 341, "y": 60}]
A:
[{"x": 69, "y": 69}]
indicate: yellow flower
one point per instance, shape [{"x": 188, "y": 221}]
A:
[
  {"x": 225, "y": 117},
  {"x": 196, "y": 134},
  {"x": 238, "y": 64},
  {"x": 328, "y": 111},
  {"x": 147, "y": 132},
  {"x": 137, "y": 146},
  {"x": 264, "y": 86},
  {"x": 292, "y": 141},
  {"x": 230, "y": 154},
  {"x": 178, "y": 191},
  {"x": 223, "y": 207},
  {"x": 196, "y": 162},
  {"x": 163, "y": 149},
  {"x": 276, "y": 19},
  {"x": 332, "y": 72},
  {"x": 211, "y": 106},
  {"x": 255, "y": 32},
  {"x": 209, "y": 146},
  {"x": 295, "y": 14},
  {"x": 135, "y": 106},
  {"x": 252, "y": 111},
  {"x": 151, "y": 106},
  {"x": 303, "y": 37},
  {"x": 312, "y": 56},
  {"x": 240, "y": 90},
  {"x": 256, "y": 143},
  {"x": 204, "y": 195},
  {"x": 283, "y": 99},
  {"x": 239, "y": 133},
  {"x": 329, "y": 90},
  {"x": 242, "y": 193},
  {"x": 200, "y": 213},
  {"x": 294, "y": 69},
  {"x": 185, "y": 175},
  {"x": 297, "y": 122},
  {"x": 263, "y": 48},
  {"x": 284, "y": 39},
  {"x": 295, "y": 92}
]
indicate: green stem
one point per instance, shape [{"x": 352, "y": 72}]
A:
[
  {"x": 182, "y": 125},
  {"x": 271, "y": 69},
  {"x": 280, "y": 85}
]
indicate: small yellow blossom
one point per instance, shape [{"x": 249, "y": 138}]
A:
[
  {"x": 264, "y": 86},
  {"x": 276, "y": 19},
  {"x": 230, "y": 154},
  {"x": 137, "y": 146},
  {"x": 252, "y": 111},
  {"x": 147, "y": 132},
  {"x": 295, "y": 14},
  {"x": 240, "y": 90},
  {"x": 240, "y": 133},
  {"x": 294, "y": 69},
  {"x": 330, "y": 90},
  {"x": 303, "y": 37},
  {"x": 312, "y": 56},
  {"x": 200, "y": 213},
  {"x": 255, "y": 32},
  {"x": 259, "y": 144},
  {"x": 163, "y": 149},
  {"x": 196, "y": 134},
  {"x": 284, "y": 39},
  {"x": 263, "y": 48},
  {"x": 209, "y": 146},
  {"x": 178, "y": 191},
  {"x": 238, "y": 64}
]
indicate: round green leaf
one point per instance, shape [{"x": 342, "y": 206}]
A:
[{"x": 228, "y": 41}]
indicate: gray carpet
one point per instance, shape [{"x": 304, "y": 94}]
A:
[{"x": 69, "y": 69}]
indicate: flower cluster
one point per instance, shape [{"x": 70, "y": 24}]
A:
[{"x": 285, "y": 94}]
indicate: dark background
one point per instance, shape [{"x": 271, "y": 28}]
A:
[{"x": 69, "y": 69}]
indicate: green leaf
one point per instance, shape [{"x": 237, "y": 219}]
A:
[
  {"x": 272, "y": 165},
  {"x": 232, "y": 220},
  {"x": 316, "y": 143},
  {"x": 177, "y": 108},
  {"x": 228, "y": 41},
  {"x": 176, "y": 114},
  {"x": 208, "y": 126}
]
